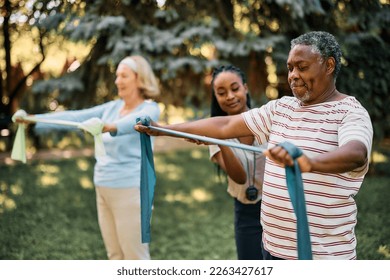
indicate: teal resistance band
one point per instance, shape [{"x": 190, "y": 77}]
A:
[
  {"x": 148, "y": 182},
  {"x": 293, "y": 178},
  {"x": 297, "y": 196}
]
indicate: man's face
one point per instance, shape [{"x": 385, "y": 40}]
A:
[{"x": 307, "y": 74}]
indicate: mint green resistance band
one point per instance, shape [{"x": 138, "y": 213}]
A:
[
  {"x": 93, "y": 126},
  {"x": 293, "y": 178}
]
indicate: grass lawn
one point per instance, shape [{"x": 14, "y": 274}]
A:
[{"x": 48, "y": 211}]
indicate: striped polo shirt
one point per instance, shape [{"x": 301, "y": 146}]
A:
[{"x": 330, "y": 204}]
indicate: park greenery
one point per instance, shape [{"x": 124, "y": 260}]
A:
[
  {"x": 61, "y": 54},
  {"x": 48, "y": 211}
]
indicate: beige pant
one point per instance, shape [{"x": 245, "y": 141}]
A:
[{"x": 119, "y": 215}]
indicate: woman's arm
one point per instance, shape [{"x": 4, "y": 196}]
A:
[
  {"x": 216, "y": 127},
  {"x": 77, "y": 116},
  {"x": 226, "y": 159},
  {"x": 125, "y": 125}
]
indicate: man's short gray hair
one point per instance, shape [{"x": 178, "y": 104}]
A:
[{"x": 323, "y": 43}]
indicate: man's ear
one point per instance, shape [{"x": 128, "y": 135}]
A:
[{"x": 330, "y": 65}]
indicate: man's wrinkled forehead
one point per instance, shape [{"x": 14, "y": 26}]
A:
[{"x": 303, "y": 53}]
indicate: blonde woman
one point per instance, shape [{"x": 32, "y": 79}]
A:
[{"x": 117, "y": 174}]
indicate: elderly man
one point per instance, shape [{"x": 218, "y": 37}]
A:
[{"x": 335, "y": 134}]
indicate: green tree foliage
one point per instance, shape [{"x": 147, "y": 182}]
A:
[
  {"x": 184, "y": 39},
  {"x": 365, "y": 36},
  {"x": 13, "y": 21}
]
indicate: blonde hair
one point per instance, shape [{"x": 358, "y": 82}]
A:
[{"x": 147, "y": 81}]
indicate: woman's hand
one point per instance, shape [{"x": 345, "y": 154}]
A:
[
  {"x": 22, "y": 120},
  {"x": 145, "y": 129},
  {"x": 109, "y": 127},
  {"x": 197, "y": 142}
]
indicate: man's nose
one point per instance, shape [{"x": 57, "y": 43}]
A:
[{"x": 293, "y": 74}]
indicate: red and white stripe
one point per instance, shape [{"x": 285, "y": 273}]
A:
[{"x": 330, "y": 203}]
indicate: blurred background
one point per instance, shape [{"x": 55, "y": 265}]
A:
[{"x": 62, "y": 54}]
